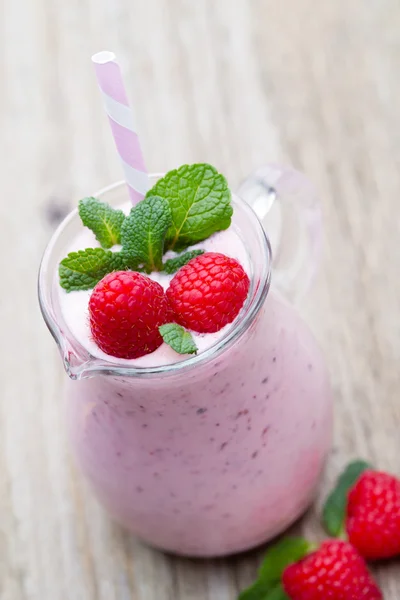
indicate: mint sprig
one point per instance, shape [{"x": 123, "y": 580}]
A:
[
  {"x": 143, "y": 232},
  {"x": 200, "y": 203},
  {"x": 172, "y": 265},
  {"x": 186, "y": 206},
  {"x": 178, "y": 338},
  {"x": 82, "y": 270},
  {"x": 105, "y": 221},
  {"x": 268, "y": 584},
  {"x": 334, "y": 511}
]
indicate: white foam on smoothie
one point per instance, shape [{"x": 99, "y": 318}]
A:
[{"x": 74, "y": 305}]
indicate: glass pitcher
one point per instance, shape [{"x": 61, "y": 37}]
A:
[{"x": 222, "y": 451}]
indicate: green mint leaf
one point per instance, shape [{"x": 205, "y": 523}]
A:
[
  {"x": 200, "y": 203},
  {"x": 143, "y": 232},
  {"x": 334, "y": 511},
  {"x": 257, "y": 591},
  {"x": 83, "y": 269},
  {"x": 178, "y": 338},
  {"x": 268, "y": 585},
  {"x": 103, "y": 220},
  {"x": 277, "y": 593},
  {"x": 174, "y": 264},
  {"x": 284, "y": 553}
]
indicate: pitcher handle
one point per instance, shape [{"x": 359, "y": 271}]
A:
[{"x": 287, "y": 205}]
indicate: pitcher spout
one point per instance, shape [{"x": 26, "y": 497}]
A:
[{"x": 75, "y": 365}]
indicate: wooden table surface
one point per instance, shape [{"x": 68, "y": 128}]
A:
[{"x": 235, "y": 83}]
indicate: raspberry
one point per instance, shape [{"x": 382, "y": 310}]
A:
[
  {"x": 373, "y": 515},
  {"x": 335, "y": 571},
  {"x": 208, "y": 292},
  {"x": 126, "y": 309}
]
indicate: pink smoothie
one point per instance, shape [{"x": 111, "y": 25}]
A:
[
  {"x": 213, "y": 458},
  {"x": 218, "y": 459}
]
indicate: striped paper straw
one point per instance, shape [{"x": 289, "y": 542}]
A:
[{"x": 123, "y": 124}]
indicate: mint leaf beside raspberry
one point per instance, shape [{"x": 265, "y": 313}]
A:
[
  {"x": 178, "y": 338},
  {"x": 200, "y": 203},
  {"x": 268, "y": 585},
  {"x": 334, "y": 511},
  {"x": 172, "y": 265},
  {"x": 143, "y": 232},
  {"x": 83, "y": 269},
  {"x": 277, "y": 593},
  {"x": 103, "y": 220},
  {"x": 261, "y": 591},
  {"x": 258, "y": 592}
]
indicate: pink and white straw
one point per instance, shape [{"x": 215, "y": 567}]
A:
[{"x": 123, "y": 125}]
